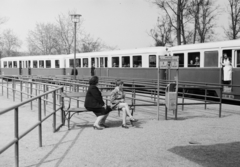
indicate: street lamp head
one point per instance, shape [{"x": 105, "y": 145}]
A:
[{"x": 75, "y": 17}]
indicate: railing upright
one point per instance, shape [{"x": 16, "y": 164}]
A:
[
  {"x": 21, "y": 88},
  {"x": 7, "y": 88},
  {"x": 2, "y": 86},
  {"x": 220, "y": 103},
  {"x": 31, "y": 91},
  {"x": 183, "y": 97},
  {"x": 16, "y": 135},
  {"x": 205, "y": 97},
  {"x": 13, "y": 89},
  {"x": 54, "y": 110},
  {"x": 44, "y": 100},
  {"x": 40, "y": 119}
]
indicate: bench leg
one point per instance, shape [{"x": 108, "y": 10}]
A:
[{"x": 68, "y": 120}]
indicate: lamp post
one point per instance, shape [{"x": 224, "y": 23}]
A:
[{"x": 75, "y": 18}]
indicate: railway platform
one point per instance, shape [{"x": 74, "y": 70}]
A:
[{"x": 198, "y": 138}]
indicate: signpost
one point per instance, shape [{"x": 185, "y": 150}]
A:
[{"x": 168, "y": 63}]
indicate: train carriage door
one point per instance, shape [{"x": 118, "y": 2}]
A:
[
  {"x": 20, "y": 67},
  {"x": 227, "y": 64},
  {"x": 237, "y": 58}
]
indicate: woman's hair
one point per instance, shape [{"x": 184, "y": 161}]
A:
[
  {"x": 119, "y": 82},
  {"x": 93, "y": 80}
]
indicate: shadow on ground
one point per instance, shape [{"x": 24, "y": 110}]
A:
[{"x": 217, "y": 155}]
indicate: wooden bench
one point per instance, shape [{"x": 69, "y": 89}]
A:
[{"x": 69, "y": 112}]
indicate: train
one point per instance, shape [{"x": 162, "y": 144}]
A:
[{"x": 137, "y": 63}]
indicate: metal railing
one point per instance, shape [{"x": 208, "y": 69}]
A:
[{"x": 56, "y": 107}]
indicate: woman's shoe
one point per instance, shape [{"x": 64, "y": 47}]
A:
[
  {"x": 133, "y": 120},
  {"x": 103, "y": 125},
  {"x": 124, "y": 126},
  {"x": 97, "y": 127}
]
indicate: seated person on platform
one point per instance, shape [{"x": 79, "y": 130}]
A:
[
  {"x": 118, "y": 100},
  {"x": 94, "y": 102}
]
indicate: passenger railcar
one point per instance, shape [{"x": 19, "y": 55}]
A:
[
  {"x": 197, "y": 63},
  {"x": 209, "y": 69}
]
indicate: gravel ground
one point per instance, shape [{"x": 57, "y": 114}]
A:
[{"x": 197, "y": 138}]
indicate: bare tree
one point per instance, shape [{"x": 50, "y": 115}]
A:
[
  {"x": 161, "y": 33},
  {"x": 208, "y": 14},
  {"x": 43, "y": 39},
  {"x": 65, "y": 33},
  {"x": 10, "y": 42},
  {"x": 89, "y": 44},
  {"x": 232, "y": 32},
  {"x": 177, "y": 13}
]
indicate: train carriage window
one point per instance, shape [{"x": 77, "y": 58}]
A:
[
  {"x": 5, "y": 64},
  {"x": 78, "y": 62},
  {"x": 106, "y": 62},
  {"x": 115, "y": 61},
  {"x": 238, "y": 58},
  {"x": 9, "y": 64},
  {"x": 211, "y": 59},
  {"x": 93, "y": 61},
  {"x": 126, "y": 61},
  {"x": 23, "y": 65},
  {"x": 194, "y": 59},
  {"x": 101, "y": 62},
  {"x": 14, "y": 64},
  {"x": 26, "y": 64},
  {"x": 57, "y": 64},
  {"x": 41, "y": 64},
  {"x": 48, "y": 63},
  {"x": 35, "y": 64},
  {"x": 180, "y": 58},
  {"x": 85, "y": 62},
  {"x": 137, "y": 61},
  {"x": 152, "y": 60},
  {"x": 71, "y": 62}
]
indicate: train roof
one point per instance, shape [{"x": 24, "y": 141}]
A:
[
  {"x": 125, "y": 52},
  {"x": 149, "y": 50},
  {"x": 208, "y": 45},
  {"x": 34, "y": 57}
]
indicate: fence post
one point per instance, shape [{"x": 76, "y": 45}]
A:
[
  {"x": 21, "y": 89},
  {"x": 2, "y": 85},
  {"x": 47, "y": 94},
  {"x": 183, "y": 96},
  {"x": 62, "y": 105},
  {"x": 36, "y": 89},
  {"x": 205, "y": 98},
  {"x": 54, "y": 110},
  {"x": 77, "y": 100},
  {"x": 16, "y": 145},
  {"x": 220, "y": 103},
  {"x": 44, "y": 100},
  {"x": 13, "y": 89},
  {"x": 7, "y": 87},
  {"x": 40, "y": 119},
  {"x": 31, "y": 90}
]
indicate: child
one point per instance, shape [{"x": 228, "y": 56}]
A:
[{"x": 118, "y": 100}]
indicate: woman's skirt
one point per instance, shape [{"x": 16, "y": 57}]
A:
[{"x": 99, "y": 111}]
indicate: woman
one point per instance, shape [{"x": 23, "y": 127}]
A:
[
  {"x": 118, "y": 100},
  {"x": 94, "y": 102},
  {"x": 227, "y": 69}
]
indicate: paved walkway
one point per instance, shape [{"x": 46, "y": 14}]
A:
[{"x": 198, "y": 138}]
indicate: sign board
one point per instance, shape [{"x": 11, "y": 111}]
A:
[{"x": 166, "y": 62}]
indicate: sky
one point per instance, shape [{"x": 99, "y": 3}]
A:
[{"x": 121, "y": 23}]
